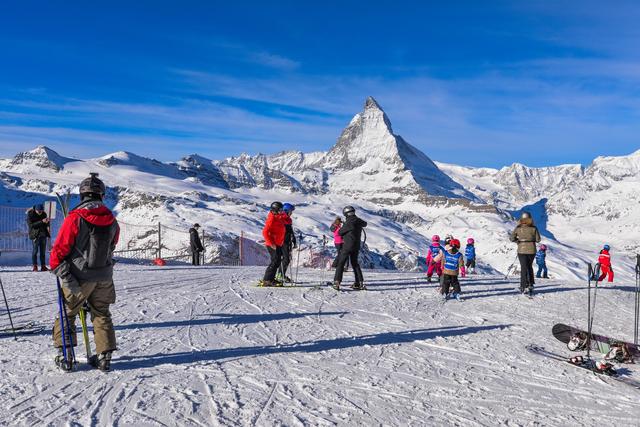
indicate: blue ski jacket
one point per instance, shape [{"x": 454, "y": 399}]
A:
[
  {"x": 470, "y": 252},
  {"x": 541, "y": 257}
]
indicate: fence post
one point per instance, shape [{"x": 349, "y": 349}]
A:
[
  {"x": 203, "y": 247},
  {"x": 240, "y": 247},
  {"x": 159, "y": 239}
]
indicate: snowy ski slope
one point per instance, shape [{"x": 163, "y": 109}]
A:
[{"x": 202, "y": 346}]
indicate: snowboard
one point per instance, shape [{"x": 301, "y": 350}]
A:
[
  {"x": 541, "y": 351},
  {"x": 599, "y": 343}
]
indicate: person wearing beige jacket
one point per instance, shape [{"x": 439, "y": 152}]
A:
[{"x": 526, "y": 235}]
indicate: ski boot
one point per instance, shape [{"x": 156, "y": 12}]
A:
[
  {"x": 62, "y": 363},
  {"x": 604, "y": 367},
  {"x": 101, "y": 361},
  {"x": 266, "y": 283},
  {"x": 456, "y": 296},
  {"x": 336, "y": 285},
  {"x": 358, "y": 286},
  {"x": 287, "y": 279},
  {"x": 428, "y": 279}
]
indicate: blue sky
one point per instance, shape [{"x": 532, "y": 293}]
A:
[{"x": 468, "y": 82}]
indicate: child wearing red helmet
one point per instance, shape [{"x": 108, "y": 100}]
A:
[{"x": 452, "y": 263}]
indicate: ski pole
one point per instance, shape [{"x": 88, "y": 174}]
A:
[
  {"x": 13, "y": 329},
  {"x": 637, "y": 313},
  {"x": 65, "y": 327},
  {"x": 299, "y": 242},
  {"x": 322, "y": 258},
  {"x": 85, "y": 333}
]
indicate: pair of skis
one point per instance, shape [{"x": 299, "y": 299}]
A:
[{"x": 579, "y": 340}]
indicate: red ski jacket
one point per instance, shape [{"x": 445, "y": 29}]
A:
[
  {"x": 604, "y": 259},
  {"x": 274, "y": 229},
  {"x": 100, "y": 216}
]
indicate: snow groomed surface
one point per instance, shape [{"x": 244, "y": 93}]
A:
[{"x": 204, "y": 346}]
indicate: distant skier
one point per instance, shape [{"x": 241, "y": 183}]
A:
[
  {"x": 195, "y": 244},
  {"x": 337, "y": 241},
  {"x": 447, "y": 239},
  {"x": 526, "y": 235},
  {"x": 452, "y": 263},
  {"x": 470, "y": 255},
  {"x": 289, "y": 240},
  {"x": 38, "y": 223},
  {"x": 541, "y": 260},
  {"x": 273, "y": 233},
  {"x": 432, "y": 265},
  {"x": 605, "y": 264},
  {"x": 82, "y": 258},
  {"x": 351, "y": 233}
]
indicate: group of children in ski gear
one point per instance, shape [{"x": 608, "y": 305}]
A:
[{"x": 448, "y": 262}]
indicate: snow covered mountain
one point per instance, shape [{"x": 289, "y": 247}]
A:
[{"x": 403, "y": 195}]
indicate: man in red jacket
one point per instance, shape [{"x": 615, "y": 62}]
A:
[
  {"x": 605, "y": 264},
  {"x": 273, "y": 233},
  {"x": 82, "y": 258}
]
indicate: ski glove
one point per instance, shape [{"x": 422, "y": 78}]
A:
[{"x": 63, "y": 271}]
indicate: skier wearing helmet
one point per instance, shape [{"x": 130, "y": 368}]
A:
[
  {"x": 470, "y": 255},
  {"x": 541, "y": 260},
  {"x": 351, "y": 233},
  {"x": 82, "y": 258},
  {"x": 604, "y": 259},
  {"x": 434, "y": 250},
  {"x": 526, "y": 235},
  {"x": 452, "y": 263},
  {"x": 273, "y": 233},
  {"x": 289, "y": 240}
]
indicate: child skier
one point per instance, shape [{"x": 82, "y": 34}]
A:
[
  {"x": 337, "y": 241},
  {"x": 470, "y": 255},
  {"x": 605, "y": 264},
  {"x": 452, "y": 262},
  {"x": 434, "y": 250},
  {"x": 541, "y": 257}
]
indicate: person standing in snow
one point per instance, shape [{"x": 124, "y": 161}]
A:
[
  {"x": 82, "y": 257},
  {"x": 195, "y": 244},
  {"x": 38, "y": 234},
  {"x": 289, "y": 240},
  {"x": 273, "y": 233},
  {"x": 526, "y": 235},
  {"x": 470, "y": 255},
  {"x": 452, "y": 263},
  {"x": 541, "y": 260},
  {"x": 337, "y": 241},
  {"x": 432, "y": 265},
  {"x": 351, "y": 233},
  {"x": 604, "y": 259}
]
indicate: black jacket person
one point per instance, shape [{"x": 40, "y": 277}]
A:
[
  {"x": 195, "y": 244},
  {"x": 351, "y": 233}
]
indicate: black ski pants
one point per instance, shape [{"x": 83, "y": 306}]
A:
[
  {"x": 287, "y": 249},
  {"x": 449, "y": 282},
  {"x": 335, "y": 261},
  {"x": 274, "y": 264},
  {"x": 39, "y": 245},
  {"x": 195, "y": 257},
  {"x": 345, "y": 256},
  {"x": 527, "y": 279}
]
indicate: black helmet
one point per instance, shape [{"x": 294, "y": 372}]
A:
[
  {"x": 276, "y": 206},
  {"x": 92, "y": 185},
  {"x": 348, "y": 211},
  {"x": 196, "y": 225}
]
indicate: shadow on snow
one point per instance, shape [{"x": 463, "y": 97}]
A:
[{"x": 138, "y": 362}]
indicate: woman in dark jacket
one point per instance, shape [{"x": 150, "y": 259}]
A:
[{"x": 526, "y": 235}]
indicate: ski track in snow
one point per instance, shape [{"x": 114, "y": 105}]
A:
[{"x": 203, "y": 347}]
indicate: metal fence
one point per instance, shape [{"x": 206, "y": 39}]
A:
[{"x": 145, "y": 242}]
